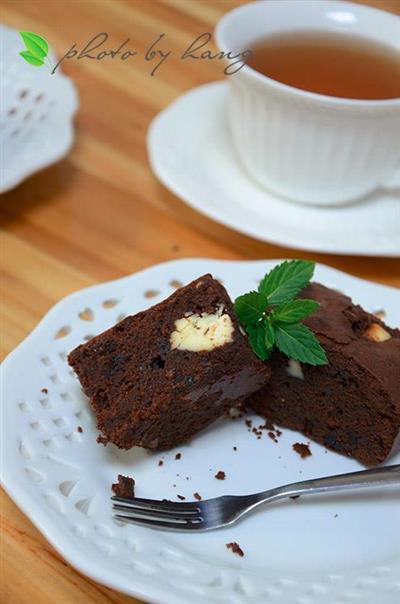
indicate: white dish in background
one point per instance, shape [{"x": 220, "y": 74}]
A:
[
  {"x": 191, "y": 152},
  {"x": 36, "y": 113},
  {"x": 338, "y": 549}
]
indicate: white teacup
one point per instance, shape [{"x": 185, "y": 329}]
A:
[{"x": 305, "y": 146}]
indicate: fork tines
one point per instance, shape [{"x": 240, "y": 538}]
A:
[{"x": 159, "y": 514}]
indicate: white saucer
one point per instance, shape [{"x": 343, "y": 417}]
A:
[{"x": 190, "y": 151}]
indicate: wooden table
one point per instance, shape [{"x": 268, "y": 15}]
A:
[{"x": 100, "y": 214}]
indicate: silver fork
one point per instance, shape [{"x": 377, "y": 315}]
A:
[{"x": 221, "y": 511}]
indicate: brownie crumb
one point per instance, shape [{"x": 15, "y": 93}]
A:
[
  {"x": 178, "y": 455},
  {"x": 257, "y": 432},
  {"x": 220, "y": 475},
  {"x": 248, "y": 423},
  {"x": 44, "y": 390},
  {"x": 161, "y": 463},
  {"x": 236, "y": 549},
  {"x": 272, "y": 436},
  {"x": 197, "y": 496},
  {"x": 181, "y": 497},
  {"x": 302, "y": 449},
  {"x": 125, "y": 487},
  {"x": 268, "y": 425},
  {"x": 80, "y": 429}
]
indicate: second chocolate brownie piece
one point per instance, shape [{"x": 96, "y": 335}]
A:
[{"x": 351, "y": 405}]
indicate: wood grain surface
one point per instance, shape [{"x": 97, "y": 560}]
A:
[{"x": 100, "y": 214}]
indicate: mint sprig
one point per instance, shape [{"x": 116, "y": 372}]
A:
[
  {"x": 258, "y": 340},
  {"x": 271, "y": 316},
  {"x": 250, "y": 307},
  {"x": 294, "y": 311},
  {"x": 286, "y": 280},
  {"x": 298, "y": 342}
]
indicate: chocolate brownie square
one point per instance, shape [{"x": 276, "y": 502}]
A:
[
  {"x": 351, "y": 405},
  {"x": 156, "y": 378}
]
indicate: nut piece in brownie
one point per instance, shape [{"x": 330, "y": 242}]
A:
[
  {"x": 351, "y": 405},
  {"x": 158, "y": 377}
]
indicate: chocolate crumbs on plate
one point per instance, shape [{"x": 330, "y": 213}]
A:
[
  {"x": 125, "y": 487},
  {"x": 302, "y": 449},
  {"x": 236, "y": 549},
  {"x": 272, "y": 436}
]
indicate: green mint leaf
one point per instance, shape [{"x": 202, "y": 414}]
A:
[
  {"x": 271, "y": 316},
  {"x": 250, "y": 307},
  {"x": 25, "y": 54},
  {"x": 285, "y": 281},
  {"x": 294, "y": 311},
  {"x": 36, "y": 45},
  {"x": 299, "y": 343},
  {"x": 256, "y": 335},
  {"x": 269, "y": 334}
]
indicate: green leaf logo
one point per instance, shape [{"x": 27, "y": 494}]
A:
[{"x": 36, "y": 48}]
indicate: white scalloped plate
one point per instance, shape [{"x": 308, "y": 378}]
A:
[{"x": 335, "y": 550}]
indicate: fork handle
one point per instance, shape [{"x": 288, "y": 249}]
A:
[{"x": 342, "y": 482}]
